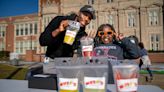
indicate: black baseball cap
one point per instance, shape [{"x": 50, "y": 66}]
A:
[{"x": 89, "y": 9}]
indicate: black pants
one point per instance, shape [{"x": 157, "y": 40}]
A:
[{"x": 147, "y": 68}]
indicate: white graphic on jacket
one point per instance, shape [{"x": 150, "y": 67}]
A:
[{"x": 112, "y": 51}]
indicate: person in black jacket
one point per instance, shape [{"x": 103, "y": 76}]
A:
[
  {"x": 54, "y": 33},
  {"x": 115, "y": 47}
]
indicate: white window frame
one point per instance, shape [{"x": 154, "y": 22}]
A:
[
  {"x": 154, "y": 43},
  {"x": 17, "y": 33},
  {"x": 110, "y": 19},
  {"x": 35, "y": 28},
  {"x": 131, "y": 19},
  {"x": 2, "y": 45},
  {"x": 153, "y": 17},
  {"x": 109, "y": 1},
  {"x": 91, "y": 2},
  {"x": 2, "y": 31},
  {"x": 45, "y": 21},
  {"x": 91, "y": 25},
  {"x": 26, "y": 29},
  {"x": 21, "y": 30},
  {"x": 16, "y": 47},
  {"x": 2, "y": 36},
  {"x": 31, "y": 28}
]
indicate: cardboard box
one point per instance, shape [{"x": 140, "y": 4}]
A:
[{"x": 43, "y": 81}]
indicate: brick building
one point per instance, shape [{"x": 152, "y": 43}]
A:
[
  {"x": 142, "y": 18},
  {"x": 19, "y": 34}
]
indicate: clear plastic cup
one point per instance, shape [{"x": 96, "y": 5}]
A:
[
  {"x": 71, "y": 32},
  {"x": 68, "y": 74},
  {"x": 126, "y": 77},
  {"x": 87, "y": 47},
  {"x": 95, "y": 75}
]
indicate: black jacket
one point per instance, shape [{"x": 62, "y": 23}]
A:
[
  {"x": 55, "y": 45},
  {"x": 124, "y": 49}
]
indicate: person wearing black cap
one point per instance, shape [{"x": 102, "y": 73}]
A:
[
  {"x": 115, "y": 47},
  {"x": 54, "y": 33}
]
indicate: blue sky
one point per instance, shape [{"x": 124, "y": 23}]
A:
[{"x": 17, "y": 7}]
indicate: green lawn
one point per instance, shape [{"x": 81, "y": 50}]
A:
[
  {"x": 154, "y": 71},
  {"x": 7, "y": 70}
]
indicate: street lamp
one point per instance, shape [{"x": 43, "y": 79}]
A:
[{"x": 139, "y": 12}]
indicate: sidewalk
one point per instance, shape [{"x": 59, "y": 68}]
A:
[
  {"x": 157, "y": 66},
  {"x": 154, "y": 66}
]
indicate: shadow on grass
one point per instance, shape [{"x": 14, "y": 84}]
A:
[{"x": 12, "y": 72}]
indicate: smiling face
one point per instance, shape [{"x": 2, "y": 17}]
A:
[
  {"x": 106, "y": 35},
  {"x": 84, "y": 18}
]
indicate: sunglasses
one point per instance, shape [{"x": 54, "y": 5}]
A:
[{"x": 101, "y": 33}]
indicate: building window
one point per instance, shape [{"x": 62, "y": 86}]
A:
[
  {"x": 25, "y": 46},
  {"x": 17, "y": 47},
  {"x": 31, "y": 28},
  {"x": 44, "y": 23},
  {"x": 2, "y": 36},
  {"x": 26, "y": 29},
  {"x": 153, "y": 17},
  {"x": 21, "y": 29},
  {"x": 91, "y": 25},
  {"x": 2, "y": 31},
  {"x": 28, "y": 45},
  {"x": 131, "y": 20},
  {"x": 35, "y": 28},
  {"x": 110, "y": 20},
  {"x": 109, "y": 1},
  {"x": 22, "y": 46},
  {"x": 2, "y": 45},
  {"x": 35, "y": 45},
  {"x": 154, "y": 42},
  {"x": 90, "y": 1},
  {"x": 46, "y": 20},
  {"x": 17, "y": 30}
]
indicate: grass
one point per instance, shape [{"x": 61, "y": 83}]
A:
[
  {"x": 153, "y": 71},
  {"x": 7, "y": 70}
]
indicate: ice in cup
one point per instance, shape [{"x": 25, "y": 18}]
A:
[
  {"x": 71, "y": 32},
  {"x": 126, "y": 78},
  {"x": 87, "y": 47}
]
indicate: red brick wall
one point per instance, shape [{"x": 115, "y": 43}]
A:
[
  {"x": 10, "y": 38},
  {"x": 38, "y": 58},
  {"x": 157, "y": 57},
  {"x": 10, "y": 29},
  {"x": 30, "y": 54}
]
